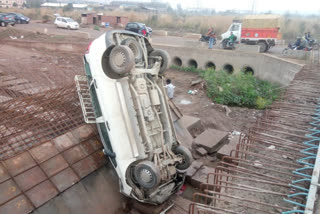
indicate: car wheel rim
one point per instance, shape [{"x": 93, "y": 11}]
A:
[
  {"x": 146, "y": 176},
  {"x": 119, "y": 59}
]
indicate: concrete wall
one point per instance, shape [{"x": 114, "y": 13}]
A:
[{"x": 264, "y": 66}]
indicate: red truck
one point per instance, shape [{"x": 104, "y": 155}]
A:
[{"x": 259, "y": 30}]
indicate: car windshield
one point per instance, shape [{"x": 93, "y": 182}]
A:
[
  {"x": 19, "y": 14},
  {"x": 70, "y": 20}
]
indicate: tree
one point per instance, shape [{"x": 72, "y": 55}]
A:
[
  {"x": 179, "y": 8},
  {"x": 34, "y": 3},
  {"x": 68, "y": 7},
  {"x": 14, "y": 4}
]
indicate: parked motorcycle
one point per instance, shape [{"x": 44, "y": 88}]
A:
[{"x": 206, "y": 39}]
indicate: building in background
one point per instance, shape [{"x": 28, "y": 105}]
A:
[
  {"x": 100, "y": 19},
  {"x": 61, "y": 5},
  {"x": 12, "y": 3}
]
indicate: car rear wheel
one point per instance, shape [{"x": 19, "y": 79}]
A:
[
  {"x": 186, "y": 157},
  {"x": 121, "y": 59},
  {"x": 165, "y": 59},
  {"x": 134, "y": 46},
  {"x": 147, "y": 174}
]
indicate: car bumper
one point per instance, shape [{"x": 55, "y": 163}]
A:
[{"x": 74, "y": 27}]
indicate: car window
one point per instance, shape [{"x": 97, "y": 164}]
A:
[
  {"x": 69, "y": 20},
  {"x": 131, "y": 25},
  {"x": 235, "y": 28},
  {"x": 64, "y": 20}
]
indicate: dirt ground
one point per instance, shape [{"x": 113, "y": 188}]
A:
[{"x": 212, "y": 115}]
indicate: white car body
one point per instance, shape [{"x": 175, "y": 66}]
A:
[
  {"x": 121, "y": 126},
  {"x": 65, "y": 22}
]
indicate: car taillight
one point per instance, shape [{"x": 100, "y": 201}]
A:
[
  {"x": 6, "y": 18},
  {"x": 144, "y": 32},
  {"x": 88, "y": 48}
]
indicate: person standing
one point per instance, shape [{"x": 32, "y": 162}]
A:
[
  {"x": 170, "y": 89},
  {"x": 212, "y": 37}
]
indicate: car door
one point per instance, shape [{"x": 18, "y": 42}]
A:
[{"x": 64, "y": 23}]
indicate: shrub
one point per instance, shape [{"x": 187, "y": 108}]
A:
[
  {"x": 96, "y": 27},
  {"x": 239, "y": 89}
]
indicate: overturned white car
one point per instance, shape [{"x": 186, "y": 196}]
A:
[{"x": 125, "y": 85}]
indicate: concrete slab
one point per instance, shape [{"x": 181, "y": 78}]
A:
[
  {"x": 83, "y": 132},
  {"x": 181, "y": 205},
  {"x": 89, "y": 195},
  {"x": 65, "y": 179},
  {"x": 228, "y": 147},
  {"x": 201, "y": 176},
  {"x": 183, "y": 134},
  {"x": 54, "y": 165},
  {"x": 85, "y": 167},
  {"x": 43, "y": 152},
  {"x": 3, "y": 174},
  {"x": 74, "y": 154},
  {"x": 19, "y": 205},
  {"x": 190, "y": 122},
  {"x": 91, "y": 145},
  {"x": 65, "y": 141},
  {"x": 211, "y": 140},
  {"x": 42, "y": 193},
  {"x": 19, "y": 163},
  {"x": 30, "y": 178},
  {"x": 8, "y": 190},
  {"x": 201, "y": 151},
  {"x": 195, "y": 166}
]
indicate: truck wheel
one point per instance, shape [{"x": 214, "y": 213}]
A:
[
  {"x": 147, "y": 174},
  {"x": 165, "y": 59},
  {"x": 263, "y": 47},
  {"x": 121, "y": 59},
  {"x": 134, "y": 46},
  {"x": 186, "y": 156}
]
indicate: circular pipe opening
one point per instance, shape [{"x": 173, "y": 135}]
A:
[
  {"x": 210, "y": 65},
  {"x": 248, "y": 70},
  {"x": 228, "y": 68},
  {"x": 177, "y": 61},
  {"x": 193, "y": 63}
]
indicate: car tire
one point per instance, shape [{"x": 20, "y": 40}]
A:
[
  {"x": 135, "y": 48},
  {"x": 186, "y": 155},
  {"x": 3, "y": 24},
  {"x": 69, "y": 28},
  {"x": 165, "y": 59},
  {"x": 147, "y": 174},
  {"x": 12, "y": 24},
  {"x": 121, "y": 59}
]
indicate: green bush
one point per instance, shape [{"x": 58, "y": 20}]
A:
[
  {"x": 239, "y": 89},
  {"x": 96, "y": 27}
]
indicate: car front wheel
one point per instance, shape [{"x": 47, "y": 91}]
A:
[
  {"x": 121, "y": 59},
  {"x": 147, "y": 174}
]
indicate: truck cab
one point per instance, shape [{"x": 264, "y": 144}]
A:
[{"x": 236, "y": 29}]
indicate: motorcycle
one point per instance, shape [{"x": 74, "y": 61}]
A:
[
  {"x": 206, "y": 39},
  {"x": 314, "y": 44},
  {"x": 225, "y": 44},
  {"x": 293, "y": 46}
]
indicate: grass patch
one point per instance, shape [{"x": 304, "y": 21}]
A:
[{"x": 238, "y": 89}]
